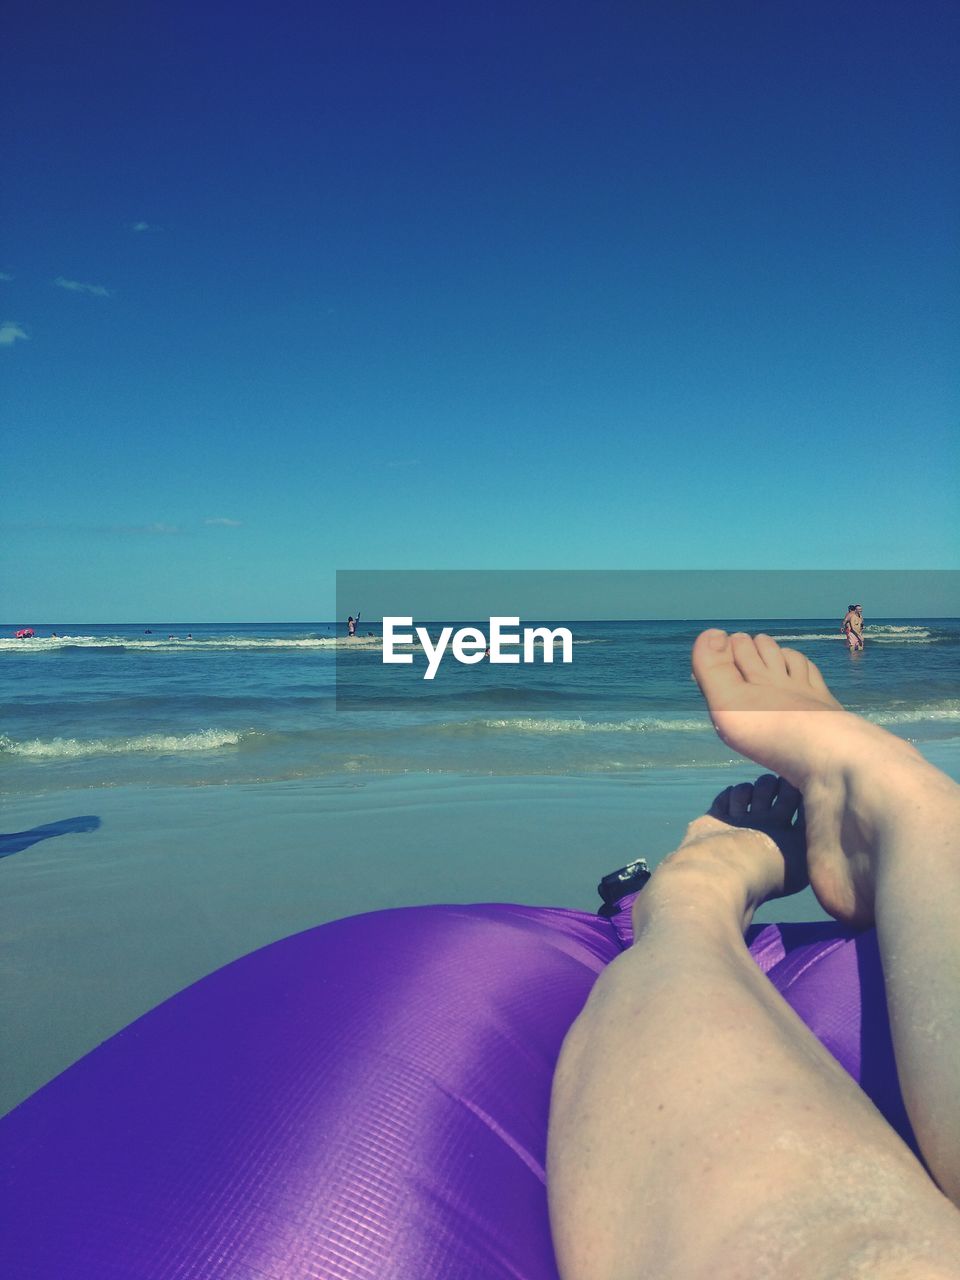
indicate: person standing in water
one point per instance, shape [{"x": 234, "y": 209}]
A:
[
  {"x": 852, "y": 627},
  {"x": 352, "y": 625}
]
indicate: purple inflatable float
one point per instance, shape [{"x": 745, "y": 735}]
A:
[{"x": 364, "y": 1100}]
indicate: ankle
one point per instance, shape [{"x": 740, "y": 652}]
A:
[
  {"x": 893, "y": 786},
  {"x": 705, "y": 883}
]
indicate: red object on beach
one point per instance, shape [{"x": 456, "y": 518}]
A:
[{"x": 25, "y": 633}]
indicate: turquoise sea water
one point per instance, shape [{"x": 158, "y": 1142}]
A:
[
  {"x": 230, "y": 704},
  {"x": 172, "y": 804}
]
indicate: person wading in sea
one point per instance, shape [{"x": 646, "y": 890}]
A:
[{"x": 852, "y": 627}]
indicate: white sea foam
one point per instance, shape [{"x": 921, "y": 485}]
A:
[
  {"x": 948, "y": 710},
  {"x": 915, "y": 639},
  {"x": 154, "y": 743},
  {"x": 906, "y": 628},
  {"x": 530, "y": 724},
  {"x": 46, "y": 644},
  {"x": 208, "y": 644},
  {"x": 926, "y": 711},
  {"x": 890, "y": 634}
]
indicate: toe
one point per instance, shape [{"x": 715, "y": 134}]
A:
[
  {"x": 721, "y": 804},
  {"x": 764, "y": 794},
  {"x": 797, "y": 664},
  {"x": 747, "y": 657},
  {"x": 740, "y": 797},
  {"x": 787, "y": 803},
  {"x": 818, "y": 684},
  {"x": 814, "y": 677},
  {"x": 715, "y": 670},
  {"x": 772, "y": 656}
]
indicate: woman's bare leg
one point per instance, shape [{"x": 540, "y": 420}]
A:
[
  {"x": 883, "y": 845},
  {"x": 698, "y": 1128}
]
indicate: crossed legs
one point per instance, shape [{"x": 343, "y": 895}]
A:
[{"x": 698, "y": 1128}]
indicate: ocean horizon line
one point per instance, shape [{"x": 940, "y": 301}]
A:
[{"x": 338, "y": 622}]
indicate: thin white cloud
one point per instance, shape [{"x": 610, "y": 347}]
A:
[
  {"x": 157, "y": 528},
  {"x": 224, "y": 521},
  {"x": 10, "y": 333},
  {"x": 5, "y": 275},
  {"x": 142, "y": 226},
  {"x": 77, "y": 286}
]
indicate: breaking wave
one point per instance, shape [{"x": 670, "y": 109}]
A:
[
  {"x": 888, "y": 634},
  {"x": 173, "y": 644},
  {"x": 153, "y": 743},
  {"x": 213, "y": 644},
  {"x": 529, "y": 724},
  {"x": 927, "y": 711}
]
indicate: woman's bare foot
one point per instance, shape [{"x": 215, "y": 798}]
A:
[
  {"x": 747, "y": 848},
  {"x": 773, "y": 705}
]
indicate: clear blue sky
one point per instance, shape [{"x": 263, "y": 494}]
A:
[{"x": 305, "y": 286}]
